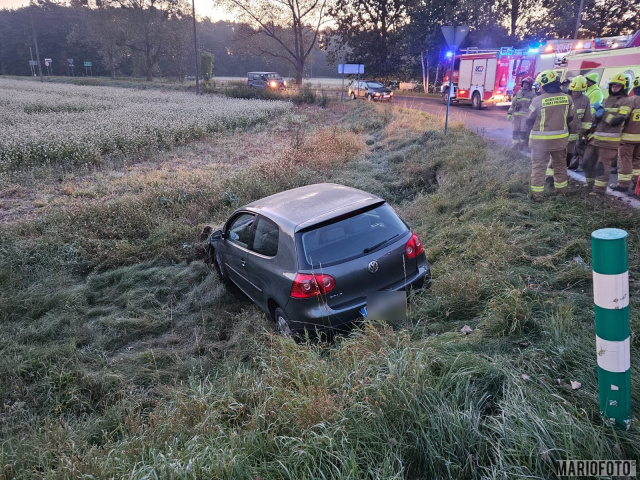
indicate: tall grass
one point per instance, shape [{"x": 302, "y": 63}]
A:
[{"x": 123, "y": 356}]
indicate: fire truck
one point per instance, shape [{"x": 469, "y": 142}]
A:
[
  {"x": 605, "y": 56},
  {"x": 494, "y": 76},
  {"x": 481, "y": 76}
]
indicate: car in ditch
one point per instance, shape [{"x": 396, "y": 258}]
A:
[
  {"x": 369, "y": 90},
  {"x": 313, "y": 256}
]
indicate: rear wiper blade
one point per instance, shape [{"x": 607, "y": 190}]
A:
[{"x": 371, "y": 249}]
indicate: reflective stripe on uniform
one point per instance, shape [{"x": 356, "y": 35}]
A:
[
  {"x": 633, "y": 137},
  {"x": 625, "y": 110},
  {"x": 549, "y": 172},
  {"x": 536, "y": 189},
  {"x": 589, "y": 179},
  {"x": 550, "y": 135},
  {"x": 600, "y": 183},
  {"x": 607, "y": 137},
  {"x": 519, "y": 114},
  {"x": 573, "y": 137},
  {"x": 636, "y": 172},
  {"x": 561, "y": 184},
  {"x": 624, "y": 177},
  {"x": 586, "y": 125},
  {"x": 608, "y": 118}
]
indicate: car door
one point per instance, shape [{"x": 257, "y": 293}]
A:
[
  {"x": 267, "y": 263},
  {"x": 239, "y": 235}
]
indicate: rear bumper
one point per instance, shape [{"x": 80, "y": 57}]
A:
[{"x": 315, "y": 314}]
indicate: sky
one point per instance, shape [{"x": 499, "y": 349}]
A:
[{"x": 204, "y": 8}]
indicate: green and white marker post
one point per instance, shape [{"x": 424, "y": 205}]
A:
[{"x": 611, "y": 305}]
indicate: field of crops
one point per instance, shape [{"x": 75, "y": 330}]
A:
[{"x": 45, "y": 123}]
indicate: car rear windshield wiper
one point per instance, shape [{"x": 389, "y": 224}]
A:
[{"x": 371, "y": 249}]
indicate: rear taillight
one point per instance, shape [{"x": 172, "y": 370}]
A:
[
  {"x": 307, "y": 286},
  {"x": 414, "y": 246}
]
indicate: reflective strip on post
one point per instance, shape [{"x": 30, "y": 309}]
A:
[{"x": 611, "y": 305}]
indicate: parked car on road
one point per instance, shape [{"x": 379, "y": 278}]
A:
[
  {"x": 311, "y": 257},
  {"x": 266, "y": 80},
  {"x": 370, "y": 90}
]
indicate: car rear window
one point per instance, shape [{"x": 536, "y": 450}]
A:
[{"x": 351, "y": 237}]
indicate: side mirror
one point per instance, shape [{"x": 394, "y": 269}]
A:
[{"x": 217, "y": 235}]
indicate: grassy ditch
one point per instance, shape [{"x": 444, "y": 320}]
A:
[{"x": 122, "y": 355}]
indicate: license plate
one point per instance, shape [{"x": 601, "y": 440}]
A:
[{"x": 389, "y": 306}]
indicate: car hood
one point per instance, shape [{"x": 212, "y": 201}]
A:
[{"x": 381, "y": 90}]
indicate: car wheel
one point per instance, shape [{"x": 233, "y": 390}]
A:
[
  {"x": 282, "y": 323},
  {"x": 476, "y": 101},
  {"x": 353, "y": 96},
  {"x": 219, "y": 263},
  {"x": 445, "y": 96}
]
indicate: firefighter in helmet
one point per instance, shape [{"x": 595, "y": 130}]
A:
[
  {"x": 605, "y": 140},
  {"x": 549, "y": 116},
  {"x": 579, "y": 126},
  {"x": 629, "y": 151},
  {"x": 581, "y": 122},
  {"x": 519, "y": 110},
  {"x": 593, "y": 91}
]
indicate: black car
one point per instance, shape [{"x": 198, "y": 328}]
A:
[
  {"x": 313, "y": 256},
  {"x": 370, "y": 90}
]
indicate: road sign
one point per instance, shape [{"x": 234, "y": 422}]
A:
[
  {"x": 454, "y": 35},
  {"x": 88, "y": 64},
  {"x": 33, "y": 63},
  {"x": 70, "y": 60},
  {"x": 347, "y": 68}
]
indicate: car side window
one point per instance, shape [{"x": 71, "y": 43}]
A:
[
  {"x": 266, "y": 237},
  {"x": 240, "y": 230}
]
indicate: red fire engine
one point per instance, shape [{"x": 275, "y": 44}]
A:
[{"x": 481, "y": 76}]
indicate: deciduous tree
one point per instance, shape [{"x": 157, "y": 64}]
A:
[{"x": 285, "y": 29}]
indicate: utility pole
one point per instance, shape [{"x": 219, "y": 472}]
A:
[
  {"x": 579, "y": 20},
  {"x": 195, "y": 46},
  {"x": 35, "y": 40}
]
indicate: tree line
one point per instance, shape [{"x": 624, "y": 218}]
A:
[{"x": 298, "y": 38}]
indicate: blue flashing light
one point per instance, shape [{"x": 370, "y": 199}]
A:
[
  {"x": 449, "y": 54},
  {"x": 533, "y": 50}
]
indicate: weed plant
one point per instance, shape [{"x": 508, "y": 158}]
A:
[{"x": 123, "y": 356}]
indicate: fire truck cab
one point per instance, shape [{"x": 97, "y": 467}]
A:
[{"x": 481, "y": 76}]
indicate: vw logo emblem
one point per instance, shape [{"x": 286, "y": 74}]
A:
[{"x": 373, "y": 266}]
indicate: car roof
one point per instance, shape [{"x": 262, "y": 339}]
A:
[{"x": 306, "y": 206}]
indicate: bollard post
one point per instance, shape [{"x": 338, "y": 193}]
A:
[{"x": 611, "y": 306}]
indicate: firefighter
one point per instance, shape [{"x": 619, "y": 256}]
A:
[
  {"x": 519, "y": 109},
  {"x": 629, "y": 151},
  {"x": 603, "y": 147},
  {"x": 549, "y": 115},
  {"x": 581, "y": 122},
  {"x": 578, "y": 127},
  {"x": 564, "y": 86},
  {"x": 593, "y": 91}
]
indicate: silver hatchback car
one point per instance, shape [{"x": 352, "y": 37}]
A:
[{"x": 311, "y": 257}]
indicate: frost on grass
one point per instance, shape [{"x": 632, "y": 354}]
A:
[{"x": 44, "y": 124}]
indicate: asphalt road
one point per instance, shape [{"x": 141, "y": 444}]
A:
[{"x": 490, "y": 122}]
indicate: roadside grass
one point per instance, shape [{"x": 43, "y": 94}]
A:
[{"x": 122, "y": 355}]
